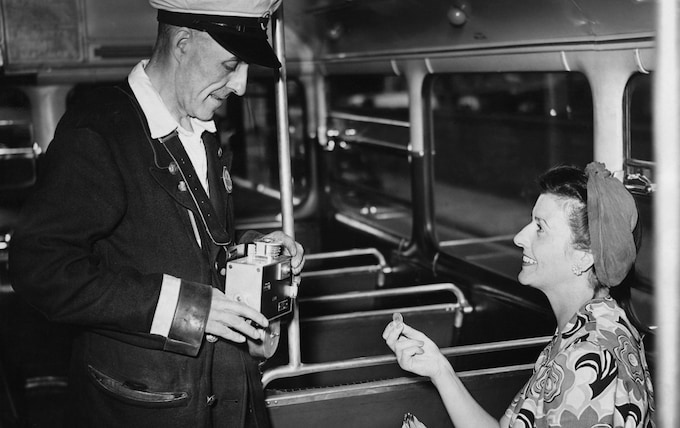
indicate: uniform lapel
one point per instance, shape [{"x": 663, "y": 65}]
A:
[{"x": 166, "y": 173}]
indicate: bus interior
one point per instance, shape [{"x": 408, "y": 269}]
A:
[{"x": 416, "y": 133}]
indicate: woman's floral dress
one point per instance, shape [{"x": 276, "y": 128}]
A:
[{"x": 593, "y": 374}]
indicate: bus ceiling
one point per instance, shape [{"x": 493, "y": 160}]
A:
[{"x": 81, "y": 40}]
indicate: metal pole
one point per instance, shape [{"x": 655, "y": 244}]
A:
[
  {"x": 285, "y": 174},
  {"x": 667, "y": 213}
]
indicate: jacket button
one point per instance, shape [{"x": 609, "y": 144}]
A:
[
  {"x": 173, "y": 168},
  {"x": 182, "y": 186},
  {"x": 223, "y": 272},
  {"x": 211, "y": 400}
]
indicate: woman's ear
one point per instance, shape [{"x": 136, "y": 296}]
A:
[{"x": 584, "y": 259}]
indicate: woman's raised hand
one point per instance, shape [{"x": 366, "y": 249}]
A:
[{"x": 415, "y": 351}]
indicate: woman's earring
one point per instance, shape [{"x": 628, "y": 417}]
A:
[{"x": 577, "y": 270}]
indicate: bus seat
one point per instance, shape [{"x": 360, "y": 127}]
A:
[{"x": 383, "y": 403}]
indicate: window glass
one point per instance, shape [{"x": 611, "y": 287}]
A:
[
  {"x": 639, "y": 105},
  {"x": 18, "y": 165},
  {"x": 367, "y": 156},
  {"x": 247, "y": 127},
  {"x": 17, "y": 158},
  {"x": 640, "y": 171},
  {"x": 494, "y": 134},
  {"x": 638, "y": 133}
]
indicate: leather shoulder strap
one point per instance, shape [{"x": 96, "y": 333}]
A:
[
  {"x": 173, "y": 146},
  {"x": 209, "y": 218}
]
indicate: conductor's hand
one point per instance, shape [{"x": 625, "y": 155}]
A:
[
  {"x": 294, "y": 249},
  {"x": 415, "y": 351},
  {"x": 232, "y": 320}
]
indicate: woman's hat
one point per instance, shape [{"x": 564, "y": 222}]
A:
[
  {"x": 612, "y": 217},
  {"x": 239, "y": 26}
]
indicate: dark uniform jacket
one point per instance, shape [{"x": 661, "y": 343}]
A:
[{"x": 107, "y": 219}]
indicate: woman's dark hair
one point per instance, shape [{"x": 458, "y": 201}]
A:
[{"x": 571, "y": 184}]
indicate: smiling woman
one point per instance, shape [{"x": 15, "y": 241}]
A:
[
  {"x": 557, "y": 243},
  {"x": 594, "y": 369},
  {"x": 549, "y": 257}
]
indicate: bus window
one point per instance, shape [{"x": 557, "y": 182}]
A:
[
  {"x": 639, "y": 168},
  {"x": 18, "y": 165},
  {"x": 247, "y": 128},
  {"x": 494, "y": 133},
  {"x": 367, "y": 155},
  {"x": 639, "y": 161},
  {"x": 639, "y": 118},
  {"x": 17, "y": 151}
]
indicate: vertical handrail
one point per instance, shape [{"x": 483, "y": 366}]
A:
[
  {"x": 667, "y": 212},
  {"x": 285, "y": 175}
]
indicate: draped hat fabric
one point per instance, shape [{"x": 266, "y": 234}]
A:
[{"x": 612, "y": 217}]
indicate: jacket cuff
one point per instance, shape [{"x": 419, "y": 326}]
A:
[{"x": 190, "y": 319}]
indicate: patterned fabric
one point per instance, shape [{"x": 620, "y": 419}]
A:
[{"x": 594, "y": 374}]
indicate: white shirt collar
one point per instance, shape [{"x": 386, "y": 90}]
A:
[{"x": 158, "y": 117}]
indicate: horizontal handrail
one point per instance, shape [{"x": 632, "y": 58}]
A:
[
  {"x": 261, "y": 224},
  {"x": 46, "y": 382},
  {"x": 297, "y": 396},
  {"x": 469, "y": 241},
  {"x": 374, "y": 142},
  {"x": 381, "y": 267},
  {"x": 300, "y": 396},
  {"x": 437, "y": 307},
  {"x": 372, "y": 230},
  {"x": 20, "y": 152},
  {"x": 9, "y": 154},
  {"x": 362, "y": 362},
  {"x": 368, "y": 119},
  {"x": 345, "y": 270},
  {"x": 348, "y": 253},
  {"x": 261, "y": 188},
  {"x": 462, "y": 302}
]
